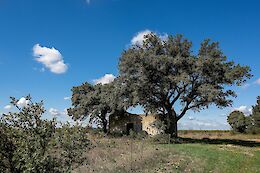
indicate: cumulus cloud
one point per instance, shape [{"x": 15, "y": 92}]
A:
[
  {"x": 8, "y": 107},
  {"x": 199, "y": 124},
  {"x": 140, "y": 37},
  {"x": 56, "y": 112},
  {"x": 245, "y": 109},
  {"x": 245, "y": 86},
  {"x": 51, "y": 58},
  {"x": 258, "y": 81},
  {"x": 66, "y": 98},
  {"x": 107, "y": 78},
  {"x": 22, "y": 102},
  {"x": 223, "y": 114},
  {"x": 191, "y": 118}
]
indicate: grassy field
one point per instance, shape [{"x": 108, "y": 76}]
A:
[{"x": 195, "y": 152}]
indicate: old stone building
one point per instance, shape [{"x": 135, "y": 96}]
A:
[{"x": 125, "y": 122}]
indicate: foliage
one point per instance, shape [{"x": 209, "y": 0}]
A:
[
  {"x": 95, "y": 102},
  {"x": 138, "y": 135},
  {"x": 166, "y": 78},
  {"x": 238, "y": 121},
  {"x": 241, "y": 123},
  {"x": 72, "y": 141},
  {"x": 256, "y": 117},
  {"x": 159, "y": 125},
  {"x": 28, "y": 142},
  {"x": 161, "y": 138}
]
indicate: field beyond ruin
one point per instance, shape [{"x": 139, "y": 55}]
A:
[{"x": 196, "y": 151}]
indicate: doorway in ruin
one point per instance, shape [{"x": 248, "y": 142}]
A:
[{"x": 129, "y": 127}]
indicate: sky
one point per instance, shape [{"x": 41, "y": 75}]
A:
[{"x": 47, "y": 47}]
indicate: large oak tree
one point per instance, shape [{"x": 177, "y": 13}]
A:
[{"x": 167, "y": 78}]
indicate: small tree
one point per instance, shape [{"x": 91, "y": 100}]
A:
[
  {"x": 93, "y": 102},
  {"x": 238, "y": 121},
  {"x": 256, "y": 116},
  {"x": 167, "y": 78}
]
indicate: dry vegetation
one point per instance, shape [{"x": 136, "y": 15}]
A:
[
  {"x": 218, "y": 134},
  {"x": 124, "y": 154}
]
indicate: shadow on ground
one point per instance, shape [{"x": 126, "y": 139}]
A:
[{"x": 220, "y": 141}]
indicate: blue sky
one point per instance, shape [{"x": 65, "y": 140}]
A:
[{"x": 88, "y": 37}]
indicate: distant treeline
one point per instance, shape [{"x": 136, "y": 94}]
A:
[{"x": 203, "y": 131}]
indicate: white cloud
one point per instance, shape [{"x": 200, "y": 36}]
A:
[
  {"x": 23, "y": 102},
  {"x": 65, "y": 111},
  {"x": 107, "y": 78},
  {"x": 8, "y": 107},
  {"x": 246, "y": 110},
  {"x": 51, "y": 58},
  {"x": 56, "y": 112},
  {"x": 140, "y": 37},
  {"x": 223, "y": 114},
  {"x": 67, "y": 98},
  {"x": 202, "y": 124},
  {"x": 245, "y": 86},
  {"x": 191, "y": 118},
  {"x": 258, "y": 81}
]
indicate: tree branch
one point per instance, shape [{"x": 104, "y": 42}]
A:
[
  {"x": 197, "y": 105},
  {"x": 175, "y": 99},
  {"x": 178, "y": 95},
  {"x": 184, "y": 110},
  {"x": 192, "y": 96}
]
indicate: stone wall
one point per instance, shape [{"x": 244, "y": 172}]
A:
[
  {"x": 148, "y": 124},
  {"x": 122, "y": 123},
  {"x": 119, "y": 123}
]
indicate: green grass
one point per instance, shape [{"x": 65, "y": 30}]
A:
[
  {"x": 198, "y": 153},
  {"x": 217, "y": 158}
]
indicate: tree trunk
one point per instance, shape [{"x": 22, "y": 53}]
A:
[
  {"x": 104, "y": 126},
  {"x": 104, "y": 121},
  {"x": 173, "y": 130},
  {"x": 171, "y": 125}
]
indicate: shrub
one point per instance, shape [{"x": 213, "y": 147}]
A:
[
  {"x": 29, "y": 143},
  {"x": 161, "y": 138},
  {"x": 238, "y": 121}
]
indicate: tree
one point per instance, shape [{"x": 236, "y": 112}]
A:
[
  {"x": 238, "y": 121},
  {"x": 256, "y": 116},
  {"x": 167, "y": 78},
  {"x": 93, "y": 102},
  {"x": 28, "y": 142}
]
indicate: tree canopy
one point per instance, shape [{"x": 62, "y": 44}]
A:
[
  {"x": 167, "y": 78},
  {"x": 238, "y": 121},
  {"x": 95, "y": 103},
  {"x": 256, "y": 116},
  {"x": 249, "y": 124}
]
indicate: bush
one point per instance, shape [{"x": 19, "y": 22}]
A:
[
  {"x": 116, "y": 134},
  {"x": 162, "y": 138},
  {"x": 138, "y": 135},
  {"x": 238, "y": 121},
  {"x": 31, "y": 144}
]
